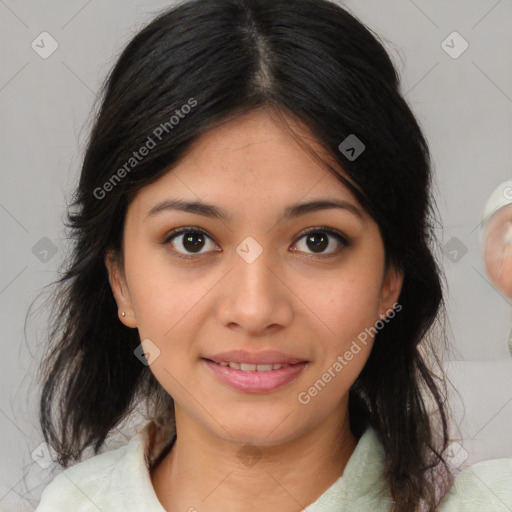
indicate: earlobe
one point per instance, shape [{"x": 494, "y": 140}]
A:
[{"x": 119, "y": 290}]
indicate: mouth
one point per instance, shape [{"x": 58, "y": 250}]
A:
[
  {"x": 255, "y": 378},
  {"x": 252, "y": 367}
]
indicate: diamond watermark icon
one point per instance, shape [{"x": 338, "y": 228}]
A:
[
  {"x": 42, "y": 455},
  {"x": 44, "y": 249},
  {"x": 44, "y": 45},
  {"x": 249, "y": 249},
  {"x": 351, "y": 147},
  {"x": 454, "y": 249},
  {"x": 147, "y": 352},
  {"x": 249, "y": 455},
  {"x": 454, "y": 45},
  {"x": 456, "y": 455}
]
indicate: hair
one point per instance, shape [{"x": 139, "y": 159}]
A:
[{"x": 305, "y": 60}]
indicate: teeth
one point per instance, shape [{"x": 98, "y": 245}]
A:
[{"x": 247, "y": 367}]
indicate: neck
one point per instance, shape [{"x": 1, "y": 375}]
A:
[{"x": 205, "y": 472}]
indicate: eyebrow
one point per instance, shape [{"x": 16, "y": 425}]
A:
[{"x": 296, "y": 210}]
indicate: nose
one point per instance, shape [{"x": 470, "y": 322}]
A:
[{"x": 255, "y": 297}]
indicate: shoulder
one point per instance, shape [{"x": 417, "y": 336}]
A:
[
  {"x": 116, "y": 480},
  {"x": 483, "y": 486}
]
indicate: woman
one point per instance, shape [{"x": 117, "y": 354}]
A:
[{"x": 252, "y": 260}]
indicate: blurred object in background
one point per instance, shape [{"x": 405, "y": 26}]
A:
[{"x": 496, "y": 237}]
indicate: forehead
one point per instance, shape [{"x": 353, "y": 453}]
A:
[{"x": 249, "y": 162}]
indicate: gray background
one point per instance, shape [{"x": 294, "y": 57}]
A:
[{"x": 464, "y": 105}]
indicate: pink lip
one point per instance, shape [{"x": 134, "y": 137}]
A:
[
  {"x": 264, "y": 357},
  {"x": 255, "y": 382}
]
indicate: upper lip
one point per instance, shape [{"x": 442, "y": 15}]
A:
[{"x": 263, "y": 357}]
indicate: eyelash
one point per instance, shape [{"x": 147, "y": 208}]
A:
[{"x": 342, "y": 239}]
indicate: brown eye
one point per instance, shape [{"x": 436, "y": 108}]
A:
[
  {"x": 191, "y": 240},
  {"x": 317, "y": 240}
]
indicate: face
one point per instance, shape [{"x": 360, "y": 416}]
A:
[{"x": 306, "y": 284}]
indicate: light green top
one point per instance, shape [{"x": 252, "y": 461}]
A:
[{"x": 119, "y": 481}]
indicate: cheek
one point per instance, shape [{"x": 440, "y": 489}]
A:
[
  {"x": 163, "y": 296},
  {"x": 348, "y": 304},
  {"x": 349, "y": 311}
]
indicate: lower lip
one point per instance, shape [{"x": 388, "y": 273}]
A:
[{"x": 256, "y": 382}]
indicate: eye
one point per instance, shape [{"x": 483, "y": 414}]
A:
[
  {"x": 319, "y": 238},
  {"x": 192, "y": 239}
]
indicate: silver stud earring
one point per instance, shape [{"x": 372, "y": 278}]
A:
[{"x": 123, "y": 314}]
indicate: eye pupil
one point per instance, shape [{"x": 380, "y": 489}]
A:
[
  {"x": 321, "y": 244},
  {"x": 189, "y": 237}
]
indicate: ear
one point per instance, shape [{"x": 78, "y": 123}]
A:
[
  {"x": 120, "y": 290},
  {"x": 390, "y": 290}
]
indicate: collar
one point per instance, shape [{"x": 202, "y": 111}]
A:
[{"x": 360, "y": 488}]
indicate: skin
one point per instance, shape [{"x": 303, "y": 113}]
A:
[
  {"x": 497, "y": 238},
  {"x": 298, "y": 302}
]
